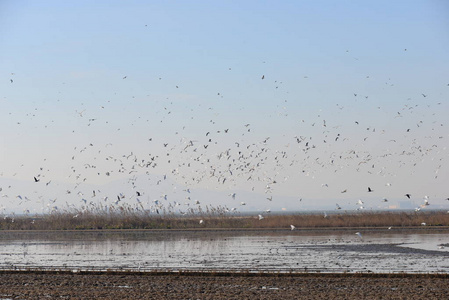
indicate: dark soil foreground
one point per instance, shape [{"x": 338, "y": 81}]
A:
[{"x": 35, "y": 285}]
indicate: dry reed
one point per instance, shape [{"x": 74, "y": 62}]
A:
[{"x": 128, "y": 217}]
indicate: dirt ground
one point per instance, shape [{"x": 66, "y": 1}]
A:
[{"x": 22, "y": 285}]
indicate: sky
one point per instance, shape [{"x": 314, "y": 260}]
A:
[{"x": 251, "y": 105}]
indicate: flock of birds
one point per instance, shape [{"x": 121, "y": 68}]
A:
[{"x": 233, "y": 157}]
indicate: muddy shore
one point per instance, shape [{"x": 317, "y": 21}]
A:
[{"x": 39, "y": 285}]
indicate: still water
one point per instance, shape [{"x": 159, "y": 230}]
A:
[{"x": 284, "y": 251}]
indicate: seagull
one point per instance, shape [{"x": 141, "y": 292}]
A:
[
  {"x": 338, "y": 206},
  {"x": 201, "y": 221},
  {"x": 292, "y": 227},
  {"x": 359, "y": 234},
  {"x": 261, "y": 217}
]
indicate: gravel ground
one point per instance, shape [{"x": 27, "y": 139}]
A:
[{"x": 23, "y": 285}]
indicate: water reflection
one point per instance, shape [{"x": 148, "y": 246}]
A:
[{"x": 331, "y": 251}]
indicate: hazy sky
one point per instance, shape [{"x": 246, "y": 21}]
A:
[{"x": 285, "y": 100}]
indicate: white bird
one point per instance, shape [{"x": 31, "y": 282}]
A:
[
  {"x": 261, "y": 217},
  {"x": 359, "y": 234},
  {"x": 292, "y": 227},
  {"x": 423, "y": 224},
  {"x": 201, "y": 221},
  {"x": 359, "y": 202}
]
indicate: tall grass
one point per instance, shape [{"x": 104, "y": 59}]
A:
[{"x": 128, "y": 217}]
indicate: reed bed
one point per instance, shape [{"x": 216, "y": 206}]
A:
[{"x": 128, "y": 217}]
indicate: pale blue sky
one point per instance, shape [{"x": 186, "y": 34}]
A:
[{"x": 194, "y": 67}]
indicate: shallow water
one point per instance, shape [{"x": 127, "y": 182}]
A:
[{"x": 323, "y": 251}]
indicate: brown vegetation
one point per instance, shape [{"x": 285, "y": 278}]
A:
[{"x": 215, "y": 218}]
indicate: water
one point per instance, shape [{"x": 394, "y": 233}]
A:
[{"x": 383, "y": 251}]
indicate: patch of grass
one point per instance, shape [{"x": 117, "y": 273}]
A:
[{"x": 99, "y": 218}]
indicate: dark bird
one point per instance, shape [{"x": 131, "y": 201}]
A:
[
  {"x": 36, "y": 180},
  {"x": 263, "y": 76},
  {"x": 408, "y": 195},
  {"x": 369, "y": 190},
  {"x": 138, "y": 194}
]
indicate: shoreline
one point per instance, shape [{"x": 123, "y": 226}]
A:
[
  {"x": 297, "y": 229},
  {"x": 106, "y": 286}
]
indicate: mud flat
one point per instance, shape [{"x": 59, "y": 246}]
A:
[{"x": 63, "y": 285}]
